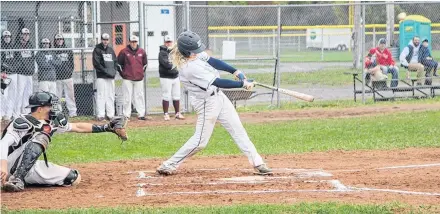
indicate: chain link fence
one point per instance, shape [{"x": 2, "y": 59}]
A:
[{"x": 307, "y": 48}]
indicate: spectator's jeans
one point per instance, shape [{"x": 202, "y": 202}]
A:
[
  {"x": 431, "y": 65},
  {"x": 133, "y": 91},
  {"x": 24, "y": 91},
  {"x": 420, "y": 69},
  {"x": 69, "y": 90},
  {"x": 105, "y": 97},
  {"x": 394, "y": 74}
]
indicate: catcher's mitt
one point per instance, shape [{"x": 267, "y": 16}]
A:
[{"x": 117, "y": 125}]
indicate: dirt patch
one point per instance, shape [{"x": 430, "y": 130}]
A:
[
  {"x": 408, "y": 176},
  {"x": 289, "y": 115}
]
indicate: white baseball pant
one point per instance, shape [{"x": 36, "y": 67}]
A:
[
  {"x": 209, "y": 110},
  {"x": 39, "y": 173},
  {"x": 170, "y": 88},
  {"x": 133, "y": 91},
  {"x": 10, "y": 98},
  {"x": 69, "y": 90},
  {"x": 105, "y": 97},
  {"x": 48, "y": 86},
  {"x": 24, "y": 91}
]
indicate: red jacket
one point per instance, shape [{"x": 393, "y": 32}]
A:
[
  {"x": 382, "y": 58},
  {"x": 132, "y": 63}
]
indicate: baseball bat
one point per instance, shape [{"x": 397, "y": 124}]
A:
[{"x": 295, "y": 94}]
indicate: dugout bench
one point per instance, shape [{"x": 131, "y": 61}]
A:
[{"x": 378, "y": 87}]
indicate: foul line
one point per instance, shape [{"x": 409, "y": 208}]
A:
[
  {"x": 219, "y": 192},
  {"x": 397, "y": 191}
]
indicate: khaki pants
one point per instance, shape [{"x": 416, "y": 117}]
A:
[{"x": 420, "y": 69}]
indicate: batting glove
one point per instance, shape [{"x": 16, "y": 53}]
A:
[
  {"x": 248, "y": 85},
  {"x": 239, "y": 75}
]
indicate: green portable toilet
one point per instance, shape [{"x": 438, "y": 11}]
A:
[{"x": 414, "y": 25}]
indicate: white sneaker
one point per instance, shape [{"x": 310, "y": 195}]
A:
[
  {"x": 179, "y": 116},
  {"x": 166, "y": 169},
  {"x": 166, "y": 117}
]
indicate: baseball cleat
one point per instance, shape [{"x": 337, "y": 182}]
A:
[
  {"x": 166, "y": 169},
  {"x": 263, "y": 170},
  {"x": 179, "y": 116},
  {"x": 13, "y": 185},
  {"x": 166, "y": 117}
]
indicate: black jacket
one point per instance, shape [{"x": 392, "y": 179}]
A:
[
  {"x": 104, "y": 62},
  {"x": 8, "y": 58},
  {"x": 25, "y": 59},
  {"x": 47, "y": 62},
  {"x": 65, "y": 69},
  {"x": 165, "y": 67}
]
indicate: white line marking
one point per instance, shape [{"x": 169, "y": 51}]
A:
[
  {"x": 397, "y": 191},
  {"x": 220, "y": 192},
  {"x": 410, "y": 166},
  {"x": 338, "y": 185}
]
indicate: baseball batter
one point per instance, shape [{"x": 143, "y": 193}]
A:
[
  {"x": 198, "y": 73},
  {"x": 28, "y": 136}
]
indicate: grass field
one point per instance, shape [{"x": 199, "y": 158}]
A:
[{"x": 321, "y": 208}]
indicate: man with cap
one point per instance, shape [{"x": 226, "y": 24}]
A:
[
  {"x": 8, "y": 67},
  {"x": 169, "y": 80},
  {"x": 46, "y": 62},
  {"x": 105, "y": 64},
  {"x": 133, "y": 61},
  {"x": 25, "y": 70},
  {"x": 64, "y": 74},
  {"x": 425, "y": 58},
  {"x": 384, "y": 59}
]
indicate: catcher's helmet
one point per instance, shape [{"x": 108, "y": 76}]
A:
[
  {"x": 189, "y": 42},
  {"x": 38, "y": 99}
]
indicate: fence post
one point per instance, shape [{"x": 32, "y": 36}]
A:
[
  {"x": 322, "y": 44},
  {"x": 278, "y": 56},
  {"x": 94, "y": 28},
  {"x": 299, "y": 43},
  {"x": 362, "y": 52},
  {"x": 273, "y": 42},
  {"x": 374, "y": 36}
]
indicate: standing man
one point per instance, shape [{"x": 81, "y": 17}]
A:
[
  {"x": 25, "y": 70},
  {"x": 9, "y": 64},
  {"x": 46, "y": 68},
  {"x": 169, "y": 80},
  {"x": 105, "y": 64},
  {"x": 409, "y": 59},
  {"x": 64, "y": 74},
  {"x": 133, "y": 61}
]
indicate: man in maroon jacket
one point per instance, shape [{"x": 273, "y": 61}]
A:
[{"x": 133, "y": 61}]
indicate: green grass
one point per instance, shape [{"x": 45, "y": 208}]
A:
[
  {"x": 381, "y": 132},
  {"x": 317, "y": 208}
]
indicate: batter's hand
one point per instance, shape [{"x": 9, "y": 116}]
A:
[
  {"x": 239, "y": 75},
  {"x": 4, "y": 171},
  {"x": 117, "y": 125},
  {"x": 248, "y": 85}
]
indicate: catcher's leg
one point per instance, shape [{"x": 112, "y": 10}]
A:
[
  {"x": 54, "y": 175},
  {"x": 230, "y": 120},
  {"x": 207, "y": 113}
]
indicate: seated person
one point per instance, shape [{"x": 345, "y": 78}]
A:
[
  {"x": 373, "y": 69},
  {"x": 425, "y": 58},
  {"x": 386, "y": 62},
  {"x": 409, "y": 59}
]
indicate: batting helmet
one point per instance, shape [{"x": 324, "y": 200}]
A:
[{"x": 189, "y": 42}]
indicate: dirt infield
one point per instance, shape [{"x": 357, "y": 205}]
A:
[{"x": 408, "y": 176}]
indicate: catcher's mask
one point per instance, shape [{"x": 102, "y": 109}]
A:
[
  {"x": 44, "y": 98},
  {"x": 4, "y": 84}
]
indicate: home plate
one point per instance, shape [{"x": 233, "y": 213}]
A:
[{"x": 244, "y": 179}]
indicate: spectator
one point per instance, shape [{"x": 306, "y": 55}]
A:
[
  {"x": 133, "y": 61},
  {"x": 9, "y": 63},
  {"x": 46, "y": 68},
  {"x": 425, "y": 58},
  {"x": 25, "y": 69},
  {"x": 64, "y": 74},
  {"x": 409, "y": 59},
  {"x": 373, "y": 69},
  {"x": 385, "y": 60},
  {"x": 105, "y": 64},
  {"x": 169, "y": 80}
]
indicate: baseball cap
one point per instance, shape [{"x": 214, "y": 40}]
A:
[
  {"x": 25, "y": 30},
  {"x": 59, "y": 36},
  {"x": 45, "y": 40},
  {"x": 425, "y": 40},
  {"x": 134, "y": 38},
  {"x": 168, "y": 38},
  {"x": 6, "y": 33},
  {"x": 382, "y": 41},
  {"x": 105, "y": 36}
]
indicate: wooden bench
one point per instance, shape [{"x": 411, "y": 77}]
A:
[{"x": 378, "y": 96}]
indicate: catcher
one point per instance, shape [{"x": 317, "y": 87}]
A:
[{"x": 28, "y": 136}]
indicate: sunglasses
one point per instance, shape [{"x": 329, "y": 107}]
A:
[
  {"x": 104, "y": 39},
  {"x": 25, "y": 34},
  {"x": 46, "y": 43}
]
